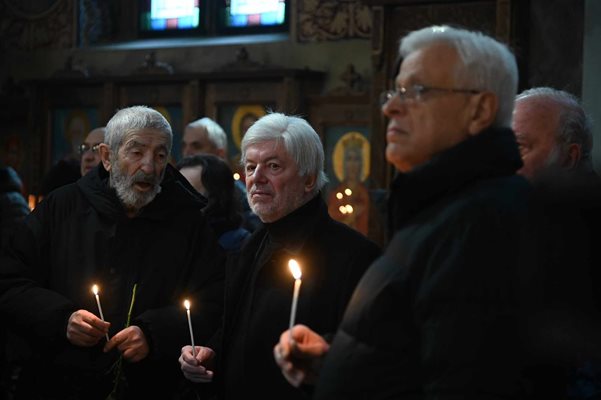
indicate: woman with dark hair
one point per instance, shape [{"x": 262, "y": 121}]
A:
[{"x": 213, "y": 178}]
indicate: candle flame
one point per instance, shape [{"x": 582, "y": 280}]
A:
[
  {"x": 31, "y": 200},
  {"x": 187, "y": 304},
  {"x": 294, "y": 268},
  {"x": 348, "y": 191},
  {"x": 95, "y": 289}
]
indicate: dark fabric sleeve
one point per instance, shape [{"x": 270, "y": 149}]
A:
[
  {"x": 13, "y": 209},
  {"x": 201, "y": 283},
  {"x": 32, "y": 311}
]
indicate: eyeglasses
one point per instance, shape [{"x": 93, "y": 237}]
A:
[
  {"x": 85, "y": 147},
  {"x": 415, "y": 93}
]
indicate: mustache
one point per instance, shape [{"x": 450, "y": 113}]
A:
[{"x": 141, "y": 177}]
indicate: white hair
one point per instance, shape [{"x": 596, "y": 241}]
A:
[
  {"x": 486, "y": 64},
  {"x": 300, "y": 141},
  {"x": 215, "y": 132},
  {"x": 134, "y": 119}
]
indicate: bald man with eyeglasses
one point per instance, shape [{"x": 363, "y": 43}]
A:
[{"x": 88, "y": 150}]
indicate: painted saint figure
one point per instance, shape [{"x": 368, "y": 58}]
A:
[{"x": 348, "y": 202}]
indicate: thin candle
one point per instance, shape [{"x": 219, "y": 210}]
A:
[
  {"x": 296, "y": 273},
  {"x": 187, "y": 305},
  {"x": 95, "y": 291}
]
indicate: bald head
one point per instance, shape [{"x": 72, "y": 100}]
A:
[{"x": 552, "y": 130}]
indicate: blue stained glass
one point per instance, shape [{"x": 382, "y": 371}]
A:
[{"x": 158, "y": 24}]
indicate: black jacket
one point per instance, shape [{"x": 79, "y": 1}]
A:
[
  {"x": 13, "y": 207},
  {"x": 436, "y": 316},
  {"x": 79, "y": 235},
  {"x": 259, "y": 291}
]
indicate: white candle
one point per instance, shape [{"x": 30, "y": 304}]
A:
[
  {"x": 95, "y": 291},
  {"x": 296, "y": 273},
  {"x": 187, "y": 305}
]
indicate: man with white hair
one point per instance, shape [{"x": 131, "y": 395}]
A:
[
  {"x": 133, "y": 227},
  {"x": 206, "y": 136},
  {"x": 437, "y": 315},
  {"x": 283, "y": 159}
]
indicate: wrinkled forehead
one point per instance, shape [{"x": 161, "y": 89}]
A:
[{"x": 145, "y": 138}]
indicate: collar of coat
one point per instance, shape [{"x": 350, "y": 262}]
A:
[
  {"x": 492, "y": 153},
  {"x": 292, "y": 230},
  {"x": 176, "y": 195}
]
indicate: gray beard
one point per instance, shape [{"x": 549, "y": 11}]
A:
[{"x": 124, "y": 186}]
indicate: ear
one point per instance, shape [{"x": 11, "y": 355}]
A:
[
  {"x": 573, "y": 156},
  {"x": 105, "y": 152},
  {"x": 310, "y": 181},
  {"x": 483, "y": 112}
]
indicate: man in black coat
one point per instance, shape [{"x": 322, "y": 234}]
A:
[
  {"x": 439, "y": 314},
  {"x": 133, "y": 227},
  {"x": 283, "y": 160},
  {"x": 13, "y": 209}
]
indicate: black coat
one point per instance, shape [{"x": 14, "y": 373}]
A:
[
  {"x": 259, "y": 291},
  {"x": 13, "y": 207},
  {"x": 436, "y": 316},
  {"x": 80, "y": 235}
]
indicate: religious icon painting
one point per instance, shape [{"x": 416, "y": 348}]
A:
[
  {"x": 70, "y": 126},
  {"x": 348, "y": 166}
]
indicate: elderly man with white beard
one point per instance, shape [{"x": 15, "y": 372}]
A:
[{"x": 133, "y": 227}]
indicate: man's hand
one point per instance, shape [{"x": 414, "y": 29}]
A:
[
  {"x": 197, "y": 369},
  {"x": 131, "y": 342},
  {"x": 85, "y": 329},
  {"x": 299, "y": 356}
]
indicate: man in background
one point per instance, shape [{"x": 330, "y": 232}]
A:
[
  {"x": 553, "y": 132},
  {"x": 555, "y": 137},
  {"x": 69, "y": 170},
  {"x": 90, "y": 156},
  {"x": 207, "y": 136}
]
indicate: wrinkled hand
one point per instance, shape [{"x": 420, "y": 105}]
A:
[
  {"x": 131, "y": 342},
  {"x": 299, "y": 357},
  {"x": 199, "y": 369},
  {"x": 85, "y": 329}
]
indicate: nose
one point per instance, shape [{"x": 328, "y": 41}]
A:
[
  {"x": 147, "y": 164},
  {"x": 394, "y": 106},
  {"x": 88, "y": 155},
  {"x": 258, "y": 175}
]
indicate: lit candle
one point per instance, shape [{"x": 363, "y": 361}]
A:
[
  {"x": 187, "y": 305},
  {"x": 31, "y": 200},
  {"x": 95, "y": 291},
  {"x": 296, "y": 273}
]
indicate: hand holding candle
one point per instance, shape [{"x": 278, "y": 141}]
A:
[
  {"x": 95, "y": 291},
  {"x": 296, "y": 273},
  {"x": 187, "y": 305}
]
